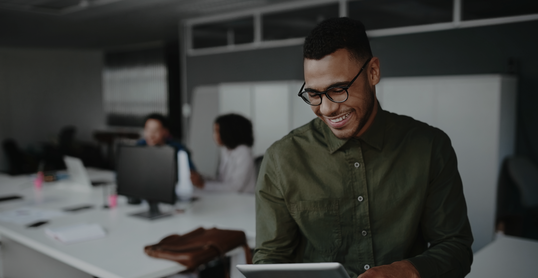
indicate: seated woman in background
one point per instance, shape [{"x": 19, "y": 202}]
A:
[{"x": 233, "y": 134}]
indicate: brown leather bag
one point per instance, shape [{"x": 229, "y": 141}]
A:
[{"x": 199, "y": 246}]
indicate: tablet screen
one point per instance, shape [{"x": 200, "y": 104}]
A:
[{"x": 310, "y": 270}]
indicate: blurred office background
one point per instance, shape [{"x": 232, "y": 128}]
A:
[{"x": 76, "y": 76}]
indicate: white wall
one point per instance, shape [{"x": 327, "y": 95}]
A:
[
  {"x": 205, "y": 109},
  {"x": 42, "y": 91},
  {"x": 273, "y": 107},
  {"x": 478, "y": 114}
]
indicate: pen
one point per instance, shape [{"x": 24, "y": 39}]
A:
[{"x": 37, "y": 224}]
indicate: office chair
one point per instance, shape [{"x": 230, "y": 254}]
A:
[
  {"x": 517, "y": 198},
  {"x": 19, "y": 161}
]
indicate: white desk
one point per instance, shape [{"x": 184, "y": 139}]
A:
[
  {"x": 506, "y": 256},
  {"x": 120, "y": 253}
]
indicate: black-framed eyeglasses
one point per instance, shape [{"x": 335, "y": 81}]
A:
[{"x": 336, "y": 94}]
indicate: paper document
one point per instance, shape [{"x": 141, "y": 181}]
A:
[
  {"x": 76, "y": 232},
  {"x": 28, "y": 215}
]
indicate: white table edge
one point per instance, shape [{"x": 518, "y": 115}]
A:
[{"x": 76, "y": 263}]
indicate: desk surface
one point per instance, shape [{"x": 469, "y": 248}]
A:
[
  {"x": 506, "y": 256},
  {"x": 120, "y": 253}
]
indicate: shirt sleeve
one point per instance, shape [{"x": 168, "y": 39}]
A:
[
  {"x": 277, "y": 234},
  {"x": 179, "y": 147},
  {"x": 444, "y": 222},
  {"x": 239, "y": 175},
  {"x": 141, "y": 142}
]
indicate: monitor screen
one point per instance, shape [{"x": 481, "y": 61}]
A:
[{"x": 148, "y": 173}]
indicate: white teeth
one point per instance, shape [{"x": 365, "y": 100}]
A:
[{"x": 340, "y": 118}]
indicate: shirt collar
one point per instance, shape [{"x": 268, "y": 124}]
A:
[
  {"x": 373, "y": 136},
  {"x": 333, "y": 142}
]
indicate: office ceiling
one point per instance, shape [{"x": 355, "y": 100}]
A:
[{"x": 104, "y": 24}]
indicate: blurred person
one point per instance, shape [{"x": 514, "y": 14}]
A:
[
  {"x": 236, "y": 172},
  {"x": 157, "y": 133}
]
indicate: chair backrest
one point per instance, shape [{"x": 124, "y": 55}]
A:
[
  {"x": 19, "y": 161},
  {"x": 517, "y": 198},
  {"x": 525, "y": 175}
]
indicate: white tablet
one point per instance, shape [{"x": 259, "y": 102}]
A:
[{"x": 299, "y": 270}]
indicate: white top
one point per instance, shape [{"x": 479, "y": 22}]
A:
[
  {"x": 184, "y": 187},
  {"x": 236, "y": 171}
]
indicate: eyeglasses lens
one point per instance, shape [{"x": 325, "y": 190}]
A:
[
  {"x": 337, "y": 94},
  {"x": 334, "y": 95},
  {"x": 312, "y": 98}
]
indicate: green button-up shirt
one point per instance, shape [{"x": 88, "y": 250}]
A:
[{"x": 393, "y": 194}]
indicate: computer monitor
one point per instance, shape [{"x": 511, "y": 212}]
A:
[{"x": 148, "y": 173}]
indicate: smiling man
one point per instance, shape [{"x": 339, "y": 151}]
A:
[{"x": 378, "y": 192}]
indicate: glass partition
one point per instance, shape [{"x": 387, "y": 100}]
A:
[
  {"x": 382, "y": 14},
  {"x": 231, "y": 32},
  {"x": 295, "y": 23},
  {"x": 482, "y": 9}
]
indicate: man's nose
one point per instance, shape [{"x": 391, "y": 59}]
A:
[{"x": 327, "y": 107}]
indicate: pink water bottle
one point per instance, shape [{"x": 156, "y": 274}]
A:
[
  {"x": 112, "y": 200},
  {"x": 38, "y": 182}
]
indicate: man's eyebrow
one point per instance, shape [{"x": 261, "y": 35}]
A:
[{"x": 336, "y": 84}]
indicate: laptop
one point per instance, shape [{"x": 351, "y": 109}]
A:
[
  {"x": 310, "y": 270},
  {"x": 78, "y": 174}
]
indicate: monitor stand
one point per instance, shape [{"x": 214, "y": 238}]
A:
[{"x": 153, "y": 212}]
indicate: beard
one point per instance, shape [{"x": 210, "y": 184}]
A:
[{"x": 366, "y": 111}]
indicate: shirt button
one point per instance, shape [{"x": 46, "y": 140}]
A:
[
  {"x": 360, "y": 198},
  {"x": 364, "y": 233},
  {"x": 366, "y": 266},
  {"x": 357, "y": 165}
]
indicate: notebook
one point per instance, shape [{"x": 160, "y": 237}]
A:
[
  {"x": 310, "y": 270},
  {"x": 76, "y": 232}
]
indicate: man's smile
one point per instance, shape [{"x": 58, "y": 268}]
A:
[{"x": 338, "y": 121}]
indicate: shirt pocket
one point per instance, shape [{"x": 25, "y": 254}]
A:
[{"x": 319, "y": 222}]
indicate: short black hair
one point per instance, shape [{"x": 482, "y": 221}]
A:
[
  {"x": 337, "y": 33},
  {"x": 235, "y": 130},
  {"x": 159, "y": 117}
]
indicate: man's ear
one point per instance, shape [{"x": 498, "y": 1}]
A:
[{"x": 373, "y": 71}]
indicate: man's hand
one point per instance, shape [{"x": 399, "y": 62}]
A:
[
  {"x": 403, "y": 269},
  {"x": 197, "y": 179}
]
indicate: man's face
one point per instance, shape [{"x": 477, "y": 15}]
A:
[
  {"x": 348, "y": 118},
  {"x": 154, "y": 133}
]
